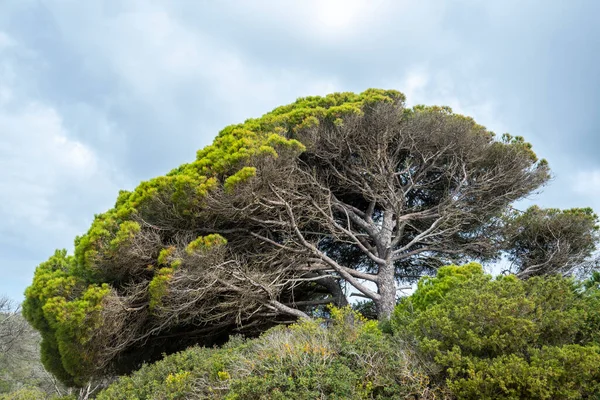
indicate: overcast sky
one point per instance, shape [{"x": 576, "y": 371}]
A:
[{"x": 96, "y": 96}]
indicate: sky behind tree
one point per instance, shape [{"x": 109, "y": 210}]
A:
[{"x": 96, "y": 96}]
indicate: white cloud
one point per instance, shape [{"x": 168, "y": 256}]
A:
[
  {"x": 35, "y": 156},
  {"x": 5, "y": 95},
  {"x": 51, "y": 183},
  {"x": 5, "y": 40},
  {"x": 346, "y": 23},
  {"x": 47, "y": 176},
  {"x": 421, "y": 85},
  {"x": 338, "y": 17},
  {"x": 414, "y": 83},
  {"x": 157, "y": 56},
  {"x": 587, "y": 183}
]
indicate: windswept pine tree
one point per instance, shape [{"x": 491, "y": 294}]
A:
[{"x": 278, "y": 216}]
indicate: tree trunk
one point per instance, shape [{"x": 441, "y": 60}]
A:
[
  {"x": 387, "y": 291},
  {"x": 386, "y": 283}
]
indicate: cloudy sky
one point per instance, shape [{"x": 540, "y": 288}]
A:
[{"x": 96, "y": 96}]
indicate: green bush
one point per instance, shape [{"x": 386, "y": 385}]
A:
[
  {"x": 348, "y": 359},
  {"x": 26, "y": 393},
  {"x": 505, "y": 338}
]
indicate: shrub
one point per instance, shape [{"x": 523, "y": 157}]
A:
[
  {"x": 26, "y": 393},
  {"x": 348, "y": 358},
  {"x": 505, "y": 338}
]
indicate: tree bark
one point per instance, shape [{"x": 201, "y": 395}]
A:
[{"x": 387, "y": 291}]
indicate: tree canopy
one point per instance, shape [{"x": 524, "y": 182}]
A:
[{"x": 278, "y": 217}]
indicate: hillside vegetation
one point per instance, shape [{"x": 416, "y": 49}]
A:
[{"x": 462, "y": 334}]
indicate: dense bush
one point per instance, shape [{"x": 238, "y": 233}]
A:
[
  {"x": 349, "y": 359},
  {"x": 504, "y": 338}
]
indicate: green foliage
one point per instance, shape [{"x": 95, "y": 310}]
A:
[
  {"x": 431, "y": 290},
  {"x": 126, "y": 232},
  {"x": 165, "y": 254},
  {"x": 241, "y": 176},
  {"x": 505, "y": 338},
  {"x": 566, "y": 372},
  {"x": 593, "y": 282},
  {"x": 204, "y": 243},
  {"x": 350, "y": 359},
  {"x": 65, "y": 311},
  {"x": 366, "y": 308},
  {"x": 157, "y": 288}
]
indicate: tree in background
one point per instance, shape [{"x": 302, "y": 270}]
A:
[
  {"x": 551, "y": 241},
  {"x": 13, "y": 329},
  {"x": 275, "y": 218},
  {"x": 20, "y": 366}
]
